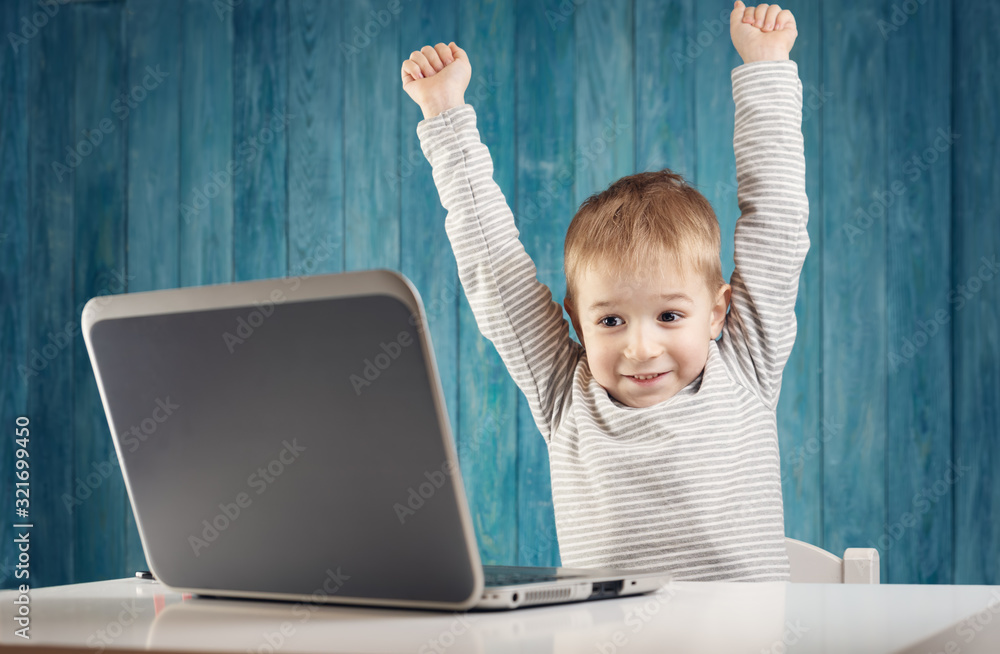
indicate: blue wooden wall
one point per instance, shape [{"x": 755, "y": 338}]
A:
[{"x": 889, "y": 412}]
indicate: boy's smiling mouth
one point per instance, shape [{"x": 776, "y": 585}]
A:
[{"x": 647, "y": 379}]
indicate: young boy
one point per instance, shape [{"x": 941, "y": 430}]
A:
[{"x": 662, "y": 441}]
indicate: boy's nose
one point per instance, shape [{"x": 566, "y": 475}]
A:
[{"x": 642, "y": 346}]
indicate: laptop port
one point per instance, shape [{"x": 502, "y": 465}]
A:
[{"x": 606, "y": 589}]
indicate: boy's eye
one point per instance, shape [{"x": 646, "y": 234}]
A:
[{"x": 673, "y": 318}]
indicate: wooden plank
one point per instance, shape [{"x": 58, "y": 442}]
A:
[
  {"x": 544, "y": 206},
  {"x": 152, "y": 90},
  {"x": 206, "y": 144},
  {"x": 371, "y": 135},
  {"x": 260, "y": 89},
  {"x": 801, "y": 432},
  {"x": 102, "y": 116},
  {"x": 52, "y": 63},
  {"x": 315, "y": 139},
  {"x": 713, "y": 59},
  {"x": 426, "y": 254},
  {"x": 154, "y": 74},
  {"x": 605, "y": 95},
  {"x": 976, "y": 351},
  {"x": 665, "y": 87},
  {"x": 918, "y": 545},
  {"x": 14, "y": 262},
  {"x": 487, "y": 395},
  {"x": 854, "y": 276}
]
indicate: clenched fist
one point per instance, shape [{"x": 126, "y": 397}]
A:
[
  {"x": 762, "y": 33},
  {"x": 436, "y": 78}
]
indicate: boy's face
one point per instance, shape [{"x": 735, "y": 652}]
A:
[{"x": 633, "y": 328}]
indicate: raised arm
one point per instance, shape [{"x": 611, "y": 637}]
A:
[
  {"x": 513, "y": 309},
  {"x": 771, "y": 238}
]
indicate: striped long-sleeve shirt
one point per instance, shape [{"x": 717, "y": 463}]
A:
[{"x": 692, "y": 484}]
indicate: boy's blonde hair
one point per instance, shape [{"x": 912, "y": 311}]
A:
[{"x": 646, "y": 221}]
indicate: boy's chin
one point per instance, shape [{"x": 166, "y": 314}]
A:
[{"x": 642, "y": 401}]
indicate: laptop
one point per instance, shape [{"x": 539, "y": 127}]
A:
[{"x": 287, "y": 439}]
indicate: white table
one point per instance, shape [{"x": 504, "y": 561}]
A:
[{"x": 684, "y": 617}]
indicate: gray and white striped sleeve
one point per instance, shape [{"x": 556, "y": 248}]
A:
[
  {"x": 771, "y": 239},
  {"x": 513, "y": 309}
]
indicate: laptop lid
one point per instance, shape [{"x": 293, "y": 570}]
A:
[{"x": 287, "y": 438}]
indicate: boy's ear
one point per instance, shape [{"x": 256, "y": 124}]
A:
[{"x": 719, "y": 309}]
